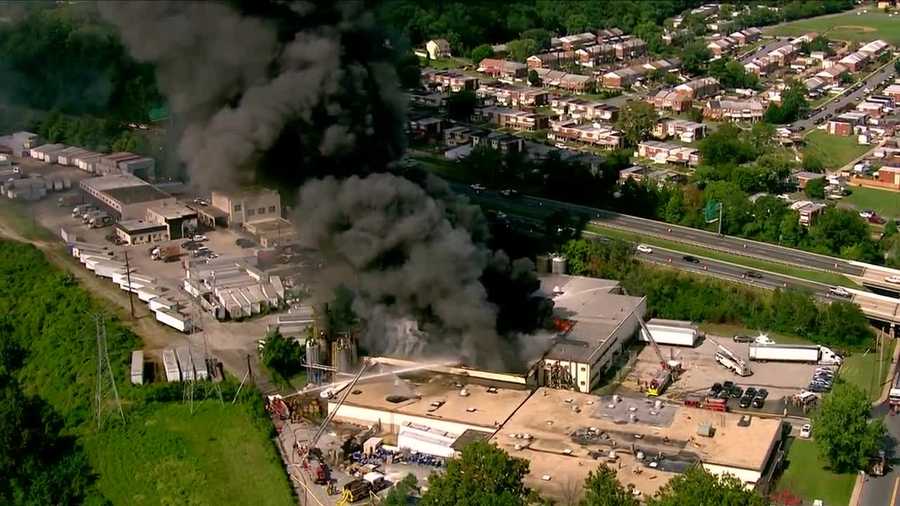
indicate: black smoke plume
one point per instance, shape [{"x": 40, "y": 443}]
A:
[{"x": 306, "y": 94}]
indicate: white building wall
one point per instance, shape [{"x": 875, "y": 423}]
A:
[
  {"x": 393, "y": 421},
  {"x": 748, "y": 476}
]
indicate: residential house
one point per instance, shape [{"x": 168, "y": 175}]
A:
[
  {"x": 814, "y": 85},
  {"x": 434, "y": 100},
  {"x": 595, "y": 134},
  {"x": 448, "y": 80},
  {"x": 686, "y": 131},
  {"x": 734, "y": 110},
  {"x": 832, "y": 74},
  {"x": 855, "y": 61},
  {"x": 808, "y": 211},
  {"x": 573, "y": 42},
  {"x": 806, "y": 37},
  {"x": 760, "y": 66},
  {"x": 504, "y": 117},
  {"x": 747, "y": 36},
  {"x": 610, "y": 35},
  {"x": 721, "y": 46},
  {"x": 551, "y": 60},
  {"x": 803, "y": 178},
  {"x": 509, "y": 95},
  {"x": 636, "y": 173},
  {"x": 577, "y": 83},
  {"x": 579, "y": 109},
  {"x": 889, "y": 176},
  {"x": 499, "y": 141},
  {"x": 669, "y": 99},
  {"x": 425, "y": 127},
  {"x": 893, "y": 91},
  {"x": 503, "y": 69},
  {"x": 783, "y": 55},
  {"x": 664, "y": 152},
  {"x": 596, "y": 55},
  {"x": 698, "y": 88},
  {"x": 874, "y": 48},
  {"x": 459, "y": 135},
  {"x": 630, "y": 49},
  {"x": 438, "y": 48},
  {"x": 845, "y": 124}
]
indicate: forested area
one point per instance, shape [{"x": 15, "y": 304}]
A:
[
  {"x": 671, "y": 294},
  {"x": 51, "y": 450}
]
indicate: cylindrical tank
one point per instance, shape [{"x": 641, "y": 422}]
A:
[
  {"x": 312, "y": 358},
  {"x": 342, "y": 353},
  {"x": 542, "y": 264},
  {"x": 558, "y": 265}
]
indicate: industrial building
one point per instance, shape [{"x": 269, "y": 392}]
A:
[
  {"x": 234, "y": 288},
  {"x": 179, "y": 220},
  {"x": 134, "y": 232},
  {"x": 124, "y": 196},
  {"x": 247, "y": 206},
  {"x": 594, "y": 322}
]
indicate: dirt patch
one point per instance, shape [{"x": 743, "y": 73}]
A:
[{"x": 857, "y": 28}]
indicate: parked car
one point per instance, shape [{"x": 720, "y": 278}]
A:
[
  {"x": 866, "y": 213},
  {"x": 691, "y": 259},
  {"x": 761, "y": 395},
  {"x": 745, "y": 401},
  {"x": 200, "y": 238},
  {"x": 714, "y": 390},
  {"x": 742, "y": 339},
  {"x": 806, "y": 431},
  {"x": 643, "y": 248}
]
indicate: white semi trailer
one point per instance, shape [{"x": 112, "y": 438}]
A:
[
  {"x": 794, "y": 353},
  {"x": 674, "y": 332}
]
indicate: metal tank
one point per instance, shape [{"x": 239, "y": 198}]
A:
[
  {"x": 312, "y": 359},
  {"x": 558, "y": 265}
]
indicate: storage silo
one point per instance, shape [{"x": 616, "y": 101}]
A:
[
  {"x": 542, "y": 264},
  {"x": 558, "y": 265},
  {"x": 312, "y": 359}
]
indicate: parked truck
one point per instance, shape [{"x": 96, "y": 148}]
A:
[
  {"x": 674, "y": 332},
  {"x": 730, "y": 361},
  {"x": 100, "y": 220},
  {"x": 168, "y": 253},
  {"x": 813, "y": 354}
]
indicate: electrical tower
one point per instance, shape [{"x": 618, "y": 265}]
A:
[{"x": 104, "y": 374}]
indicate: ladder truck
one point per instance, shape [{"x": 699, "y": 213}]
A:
[
  {"x": 669, "y": 369},
  {"x": 729, "y": 360}
]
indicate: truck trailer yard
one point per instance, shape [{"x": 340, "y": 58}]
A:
[{"x": 781, "y": 379}]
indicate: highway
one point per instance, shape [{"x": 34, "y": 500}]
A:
[
  {"x": 884, "y": 490},
  {"x": 888, "y": 72},
  {"x": 729, "y": 244}
]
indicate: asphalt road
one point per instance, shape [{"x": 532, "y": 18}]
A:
[
  {"x": 676, "y": 233},
  {"x": 832, "y": 108},
  {"x": 884, "y": 490}
]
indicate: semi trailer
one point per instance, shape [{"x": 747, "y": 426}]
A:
[
  {"x": 813, "y": 354},
  {"x": 673, "y": 332}
]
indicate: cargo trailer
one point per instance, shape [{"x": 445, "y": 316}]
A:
[
  {"x": 812, "y": 354},
  {"x": 185, "y": 364},
  {"x": 137, "y": 367},
  {"x": 170, "y": 363},
  {"x": 673, "y": 332}
]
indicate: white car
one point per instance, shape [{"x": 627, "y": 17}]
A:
[
  {"x": 643, "y": 248},
  {"x": 839, "y": 291},
  {"x": 893, "y": 279},
  {"x": 866, "y": 214},
  {"x": 199, "y": 238},
  {"x": 806, "y": 431}
]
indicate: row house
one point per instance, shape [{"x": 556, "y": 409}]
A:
[
  {"x": 874, "y": 48},
  {"x": 845, "y": 124},
  {"x": 550, "y": 60},
  {"x": 806, "y": 37},
  {"x": 721, "y": 46},
  {"x": 698, "y": 88},
  {"x": 874, "y": 110},
  {"x": 832, "y": 74},
  {"x": 760, "y": 66},
  {"x": 498, "y": 141},
  {"x": 747, "y": 36},
  {"x": 610, "y": 35},
  {"x": 734, "y": 110},
  {"x": 636, "y": 173},
  {"x": 447, "y": 80},
  {"x": 593, "y": 56},
  {"x": 783, "y": 55},
  {"x": 625, "y": 77},
  {"x": 579, "y": 109},
  {"x": 814, "y": 85},
  {"x": 630, "y": 49},
  {"x": 573, "y": 42},
  {"x": 594, "y": 134},
  {"x": 574, "y": 83},
  {"x": 460, "y": 135},
  {"x": 684, "y": 130},
  {"x": 432, "y": 100},
  {"x": 665, "y": 152},
  {"x": 889, "y": 175},
  {"x": 508, "y": 95},
  {"x": 670, "y": 100},
  {"x": 855, "y": 61},
  {"x": 425, "y": 127},
  {"x": 893, "y": 91},
  {"x": 808, "y": 211},
  {"x": 504, "y": 117},
  {"x": 503, "y": 69}
]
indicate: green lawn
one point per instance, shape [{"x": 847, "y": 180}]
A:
[
  {"x": 885, "y": 203},
  {"x": 805, "y": 477},
  {"x": 861, "y": 369},
  {"x": 834, "y": 151},
  {"x": 849, "y": 26},
  {"x": 753, "y": 263},
  {"x": 166, "y": 455}
]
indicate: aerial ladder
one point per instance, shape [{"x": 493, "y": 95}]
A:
[
  {"x": 669, "y": 369},
  {"x": 729, "y": 360}
]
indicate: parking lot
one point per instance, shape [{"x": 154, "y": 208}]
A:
[{"x": 780, "y": 379}]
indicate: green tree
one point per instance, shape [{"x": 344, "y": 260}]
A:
[
  {"x": 897, "y": 65},
  {"x": 636, "y": 119},
  {"x": 695, "y": 57},
  {"x": 401, "y": 491},
  {"x": 698, "y": 487},
  {"x": 533, "y": 78},
  {"x": 844, "y": 434},
  {"x": 812, "y": 163},
  {"x": 461, "y": 105},
  {"x": 762, "y": 135},
  {"x": 726, "y": 146},
  {"x": 815, "y": 188},
  {"x": 482, "y": 475},
  {"x": 281, "y": 355},
  {"x": 409, "y": 71},
  {"x": 601, "y": 488},
  {"x": 539, "y": 35},
  {"x": 520, "y": 49},
  {"x": 481, "y": 52}
]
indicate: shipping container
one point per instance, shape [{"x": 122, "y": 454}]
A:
[
  {"x": 137, "y": 367},
  {"x": 170, "y": 362},
  {"x": 173, "y": 319},
  {"x": 674, "y": 332},
  {"x": 185, "y": 364}
]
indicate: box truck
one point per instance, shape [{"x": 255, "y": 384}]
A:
[
  {"x": 674, "y": 332},
  {"x": 794, "y": 353}
]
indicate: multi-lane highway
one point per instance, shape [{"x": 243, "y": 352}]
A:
[{"x": 687, "y": 235}]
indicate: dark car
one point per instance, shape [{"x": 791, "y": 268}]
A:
[
  {"x": 691, "y": 259},
  {"x": 750, "y": 392},
  {"x": 742, "y": 339},
  {"x": 745, "y": 401},
  {"x": 761, "y": 395},
  {"x": 753, "y": 274},
  {"x": 816, "y": 387},
  {"x": 244, "y": 243},
  {"x": 737, "y": 392},
  {"x": 715, "y": 389}
]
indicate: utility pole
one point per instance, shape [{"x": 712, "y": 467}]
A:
[
  {"x": 104, "y": 363},
  {"x": 130, "y": 289}
]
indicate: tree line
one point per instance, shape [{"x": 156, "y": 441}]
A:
[{"x": 675, "y": 295}]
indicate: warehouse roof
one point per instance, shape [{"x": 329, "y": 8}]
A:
[{"x": 137, "y": 194}]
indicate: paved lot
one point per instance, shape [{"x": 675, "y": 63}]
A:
[{"x": 701, "y": 370}]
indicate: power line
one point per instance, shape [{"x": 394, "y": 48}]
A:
[{"x": 104, "y": 366}]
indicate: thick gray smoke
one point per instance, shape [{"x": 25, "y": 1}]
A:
[{"x": 405, "y": 250}]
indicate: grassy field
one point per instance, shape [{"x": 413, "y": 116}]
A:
[
  {"x": 885, "y": 203},
  {"x": 866, "y": 27},
  {"x": 861, "y": 369},
  {"x": 166, "y": 455},
  {"x": 834, "y": 151},
  {"x": 806, "y": 478},
  {"x": 753, "y": 263}
]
